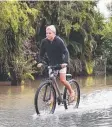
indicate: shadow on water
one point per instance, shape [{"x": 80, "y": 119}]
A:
[{"x": 95, "y": 109}]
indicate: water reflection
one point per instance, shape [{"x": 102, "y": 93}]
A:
[
  {"x": 93, "y": 81},
  {"x": 95, "y": 109}
]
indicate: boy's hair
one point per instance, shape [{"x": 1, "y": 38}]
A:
[{"x": 52, "y": 28}]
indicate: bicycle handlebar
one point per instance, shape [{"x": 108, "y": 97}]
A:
[
  {"x": 53, "y": 67},
  {"x": 56, "y": 67}
]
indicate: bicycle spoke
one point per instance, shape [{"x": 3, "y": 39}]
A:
[
  {"x": 66, "y": 96},
  {"x": 42, "y": 99}
]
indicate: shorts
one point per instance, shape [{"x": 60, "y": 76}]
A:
[{"x": 63, "y": 70}]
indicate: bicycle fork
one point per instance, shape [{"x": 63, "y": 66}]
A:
[
  {"x": 59, "y": 98},
  {"x": 44, "y": 97}
]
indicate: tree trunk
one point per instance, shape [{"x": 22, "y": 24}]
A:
[{"x": 15, "y": 79}]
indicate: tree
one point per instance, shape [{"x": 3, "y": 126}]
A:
[
  {"x": 78, "y": 23},
  {"x": 107, "y": 44},
  {"x": 16, "y": 22}
]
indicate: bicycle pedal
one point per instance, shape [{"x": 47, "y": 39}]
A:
[
  {"x": 70, "y": 104},
  {"x": 58, "y": 100},
  {"x": 60, "y": 104},
  {"x": 64, "y": 100}
]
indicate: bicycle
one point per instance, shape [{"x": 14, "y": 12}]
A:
[{"x": 49, "y": 88}]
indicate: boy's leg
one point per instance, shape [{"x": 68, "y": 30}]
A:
[{"x": 66, "y": 83}]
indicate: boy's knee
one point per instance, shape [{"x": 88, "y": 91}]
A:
[{"x": 63, "y": 81}]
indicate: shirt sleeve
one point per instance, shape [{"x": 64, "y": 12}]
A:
[
  {"x": 42, "y": 51},
  {"x": 65, "y": 52}
]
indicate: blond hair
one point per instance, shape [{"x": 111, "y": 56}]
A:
[{"x": 52, "y": 28}]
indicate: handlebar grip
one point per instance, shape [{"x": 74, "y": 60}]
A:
[{"x": 57, "y": 67}]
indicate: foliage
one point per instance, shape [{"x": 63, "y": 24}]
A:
[
  {"x": 75, "y": 17},
  {"x": 16, "y": 22},
  {"x": 23, "y": 67},
  {"x": 89, "y": 67},
  {"x": 107, "y": 43},
  {"x": 77, "y": 22}
]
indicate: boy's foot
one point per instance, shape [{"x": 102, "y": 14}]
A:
[
  {"x": 50, "y": 102},
  {"x": 72, "y": 97}
]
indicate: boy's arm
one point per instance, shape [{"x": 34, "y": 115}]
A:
[
  {"x": 65, "y": 52},
  {"x": 41, "y": 54}
]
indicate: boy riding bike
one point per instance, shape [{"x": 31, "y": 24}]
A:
[{"x": 57, "y": 53}]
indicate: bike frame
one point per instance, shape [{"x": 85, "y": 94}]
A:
[
  {"x": 52, "y": 78},
  {"x": 55, "y": 85}
]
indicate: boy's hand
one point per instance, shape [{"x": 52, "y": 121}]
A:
[
  {"x": 63, "y": 65},
  {"x": 39, "y": 65}
]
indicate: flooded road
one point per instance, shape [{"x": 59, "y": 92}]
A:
[{"x": 95, "y": 108}]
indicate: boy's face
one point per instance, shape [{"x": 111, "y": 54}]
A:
[{"x": 49, "y": 34}]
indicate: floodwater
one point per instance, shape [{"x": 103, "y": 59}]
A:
[{"x": 95, "y": 108}]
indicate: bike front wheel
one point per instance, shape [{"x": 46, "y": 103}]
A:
[
  {"x": 45, "y": 98},
  {"x": 66, "y": 97}
]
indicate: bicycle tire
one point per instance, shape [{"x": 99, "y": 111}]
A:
[
  {"x": 37, "y": 100},
  {"x": 77, "y": 92}
]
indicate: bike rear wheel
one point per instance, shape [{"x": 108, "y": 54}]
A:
[
  {"x": 43, "y": 95},
  {"x": 66, "y": 97}
]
